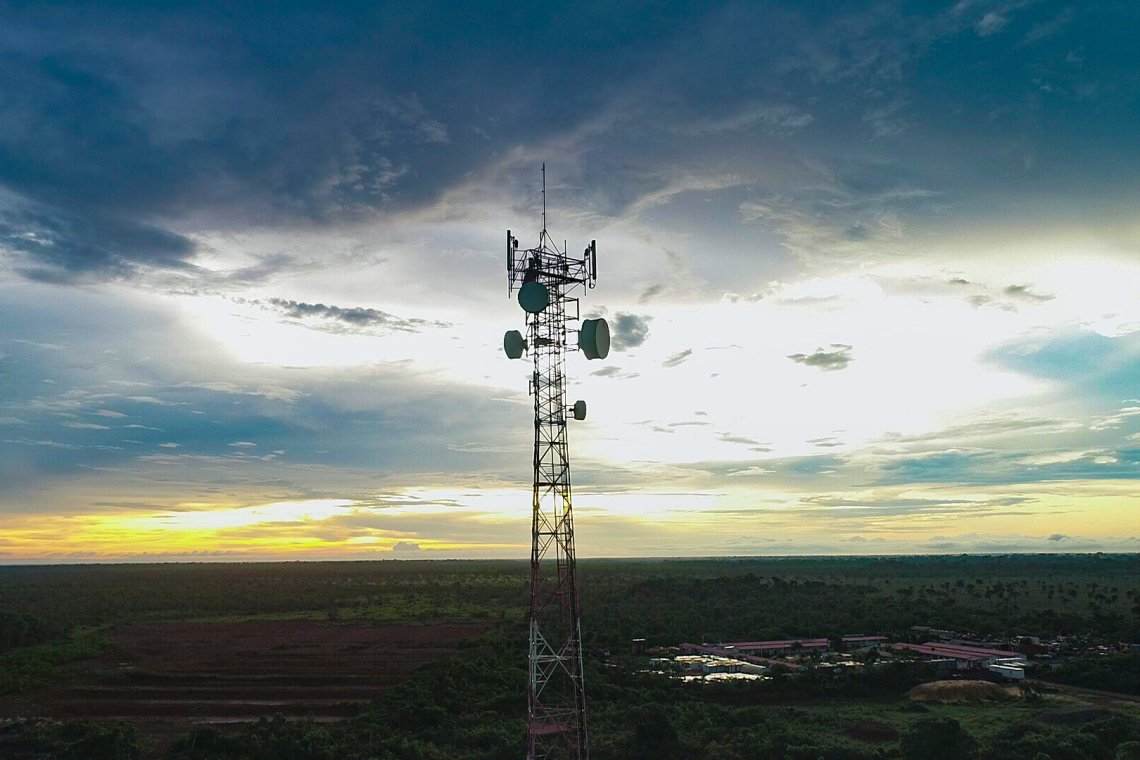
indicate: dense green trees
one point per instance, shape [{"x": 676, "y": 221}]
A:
[
  {"x": 71, "y": 740},
  {"x": 1119, "y": 673},
  {"x": 472, "y": 706},
  {"x": 21, "y": 630},
  {"x": 665, "y": 600}
]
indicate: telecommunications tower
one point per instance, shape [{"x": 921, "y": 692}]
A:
[{"x": 546, "y": 279}]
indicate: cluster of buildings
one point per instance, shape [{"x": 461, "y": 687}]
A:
[
  {"x": 728, "y": 651},
  {"x": 784, "y": 647},
  {"x": 954, "y": 657},
  {"x": 711, "y": 667},
  {"x": 752, "y": 659},
  {"x": 951, "y": 652}
]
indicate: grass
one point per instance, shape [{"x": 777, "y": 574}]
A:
[
  {"x": 397, "y": 609},
  {"x": 983, "y": 721},
  {"x": 35, "y": 666}
]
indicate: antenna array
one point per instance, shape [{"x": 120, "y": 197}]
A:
[{"x": 545, "y": 278}]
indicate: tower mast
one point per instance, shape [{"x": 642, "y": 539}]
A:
[{"x": 545, "y": 278}]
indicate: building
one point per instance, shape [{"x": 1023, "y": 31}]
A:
[
  {"x": 781, "y": 647},
  {"x": 863, "y": 642},
  {"x": 1006, "y": 664},
  {"x": 926, "y": 632},
  {"x": 1011, "y": 669},
  {"x": 1032, "y": 646},
  {"x": 736, "y": 655}
]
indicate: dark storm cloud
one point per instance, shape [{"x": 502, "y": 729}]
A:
[
  {"x": 352, "y": 317},
  {"x": 54, "y": 246},
  {"x": 828, "y": 361},
  {"x": 116, "y": 125},
  {"x": 124, "y": 131},
  {"x": 628, "y": 330}
]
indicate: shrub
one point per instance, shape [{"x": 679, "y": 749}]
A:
[{"x": 937, "y": 739}]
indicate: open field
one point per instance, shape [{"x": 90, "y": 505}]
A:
[
  {"x": 230, "y": 672},
  {"x": 406, "y": 660}
]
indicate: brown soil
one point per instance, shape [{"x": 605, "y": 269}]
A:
[
  {"x": 872, "y": 732},
  {"x": 958, "y": 691},
  {"x": 163, "y": 675}
]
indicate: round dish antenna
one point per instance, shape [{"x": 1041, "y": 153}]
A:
[
  {"x": 534, "y": 297},
  {"x": 579, "y": 410},
  {"x": 594, "y": 338},
  {"x": 514, "y": 344}
]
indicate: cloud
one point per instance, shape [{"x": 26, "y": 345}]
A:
[
  {"x": 184, "y": 164},
  {"x": 410, "y": 111},
  {"x": 614, "y": 372},
  {"x": 150, "y": 400},
  {"x": 1046, "y": 29},
  {"x": 57, "y": 246},
  {"x": 406, "y": 546},
  {"x": 1114, "y": 420},
  {"x": 858, "y": 214},
  {"x": 628, "y": 330},
  {"x": 741, "y": 439},
  {"x": 650, "y": 293},
  {"x": 828, "y": 361},
  {"x": 678, "y": 358},
  {"x": 775, "y": 118},
  {"x": 107, "y": 165},
  {"x": 991, "y": 23},
  {"x": 351, "y": 318},
  {"x": 274, "y": 392},
  {"x": 988, "y": 426},
  {"x": 1023, "y": 292},
  {"x": 885, "y": 122},
  {"x": 242, "y": 444}
]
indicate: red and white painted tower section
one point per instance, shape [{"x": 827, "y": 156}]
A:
[{"x": 546, "y": 280}]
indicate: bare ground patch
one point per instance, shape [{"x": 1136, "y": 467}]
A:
[{"x": 231, "y": 672}]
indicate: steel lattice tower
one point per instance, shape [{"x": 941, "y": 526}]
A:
[{"x": 556, "y": 694}]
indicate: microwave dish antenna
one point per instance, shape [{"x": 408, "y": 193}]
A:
[{"x": 548, "y": 280}]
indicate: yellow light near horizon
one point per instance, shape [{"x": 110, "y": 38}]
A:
[{"x": 220, "y": 519}]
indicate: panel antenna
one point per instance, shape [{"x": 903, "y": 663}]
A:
[{"x": 545, "y": 278}]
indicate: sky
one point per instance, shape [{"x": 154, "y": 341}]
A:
[{"x": 872, "y": 272}]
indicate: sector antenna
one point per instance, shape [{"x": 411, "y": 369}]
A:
[{"x": 548, "y": 283}]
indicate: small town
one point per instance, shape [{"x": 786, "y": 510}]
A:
[{"x": 951, "y": 654}]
